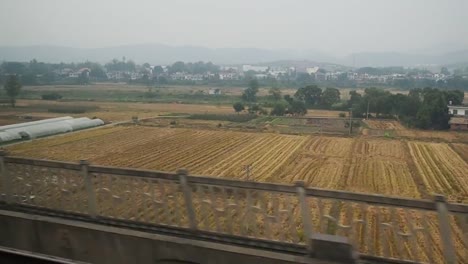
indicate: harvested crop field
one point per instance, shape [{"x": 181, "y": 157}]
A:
[
  {"x": 380, "y": 166},
  {"x": 393, "y": 128},
  {"x": 383, "y": 166},
  {"x": 384, "y": 124},
  {"x": 116, "y": 111},
  {"x": 461, "y": 149},
  {"x": 372, "y": 165},
  {"x": 442, "y": 169},
  {"x": 443, "y": 136},
  {"x": 200, "y": 151}
]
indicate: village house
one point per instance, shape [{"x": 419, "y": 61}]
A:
[
  {"x": 228, "y": 76},
  {"x": 312, "y": 70},
  {"x": 82, "y": 71},
  {"x": 458, "y": 110},
  {"x": 246, "y": 68},
  {"x": 193, "y": 77},
  {"x": 216, "y": 91},
  {"x": 459, "y": 120}
]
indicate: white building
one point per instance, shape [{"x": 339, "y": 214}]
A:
[
  {"x": 246, "y": 68},
  {"x": 229, "y": 68},
  {"x": 216, "y": 91},
  {"x": 312, "y": 70},
  {"x": 194, "y": 77},
  {"x": 261, "y": 76},
  {"x": 458, "y": 110},
  {"x": 228, "y": 76}
]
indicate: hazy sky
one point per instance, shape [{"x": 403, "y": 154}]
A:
[{"x": 336, "y": 27}]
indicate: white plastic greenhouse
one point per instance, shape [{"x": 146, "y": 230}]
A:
[
  {"x": 83, "y": 123},
  {"x": 42, "y": 128},
  {"x": 50, "y": 120},
  {"x": 8, "y": 136}
]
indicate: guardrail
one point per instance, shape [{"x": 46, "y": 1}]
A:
[{"x": 381, "y": 226}]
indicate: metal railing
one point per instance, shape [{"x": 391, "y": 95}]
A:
[{"x": 380, "y": 226}]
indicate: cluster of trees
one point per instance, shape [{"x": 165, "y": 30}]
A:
[
  {"x": 121, "y": 65},
  {"x": 282, "y": 104},
  {"x": 40, "y": 73},
  {"x": 455, "y": 82},
  {"x": 407, "y": 81},
  {"x": 249, "y": 98},
  {"x": 421, "y": 108},
  {"x": 395, "y": 70},
  {"x": 12, "y": 88},
  {"x": 193, "y": 68},
  {"x": 314, "y": 97}
]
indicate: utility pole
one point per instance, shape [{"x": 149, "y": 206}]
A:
[
  {"x": 248, "y": 170},
  {"x": 367, "y": 114},
  {"x": 320, "y": 126},
  {"x": 350, "y": 121}
]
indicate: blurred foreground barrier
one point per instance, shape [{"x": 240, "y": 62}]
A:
[{"x": 378, "y": 227}]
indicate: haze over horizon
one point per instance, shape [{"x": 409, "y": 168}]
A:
[{"x": 337, "y": 28}]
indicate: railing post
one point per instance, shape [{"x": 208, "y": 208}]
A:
[
  {"x": 182, "y": 173},
  {"x": 306, "y": 222},
  {"x": 6, "y": 186},
  {"x": 89, "y": 188},
  {"x": 444, "y": 228}
]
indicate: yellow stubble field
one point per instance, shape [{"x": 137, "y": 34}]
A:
[
  {"x": 373, "y": 165},
  {"x": 402, "y": 168}
]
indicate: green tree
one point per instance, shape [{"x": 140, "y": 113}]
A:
[
  {"x": 29, "y": 79},
  {"x": 83, "y": 79},
  {"x": 329, "y": 97},
  {"x": 238, "y": 107},
  {"x": 423, "y": 118},
  {"x": 297, "y": 108},
  {"x": 354, "y": 99},
  {"x": 250, "y": 93},
  {"x": 288, "y": 98},
  {"x": 454, "y": 96},
  {"x": 278, "y": 110},
  {"x": 178, "y": 66},
  {"x": 375, "y": 99},
  {"x": 433, "y": 112},
  {"x": 275, "y": 93},
  {"x": 12, "y": 88},
  {"x": 13, "y": 68},
  {"x": 254, "y": 109},
  {"x": 116, "y": 65},
  {"x": 304, "y": 78},
  {"x": 158, "y": 70},
  {"x": 444, "y": 70},
  {"x": 310, "y": 95},
  {"x": 162, "y": 80},
  {"x": 97, "y": 72}
]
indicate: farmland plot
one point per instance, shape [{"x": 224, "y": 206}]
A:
[
  {"x": 442, "y": 169},
  {"x": 461, "y": 149},
  {"x": 355, "y": 164},
  {"x": 200, "y": 151},
  {"x": 384, "y": 124},
  {"x": 382, "y": 166},
  {"x": 319, "y": 162},
  {"x": 379, "y": 166}
]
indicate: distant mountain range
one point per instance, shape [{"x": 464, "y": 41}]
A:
[
  {"x": 383, "y": 59},
  {"x": 165, "y": 54}
]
